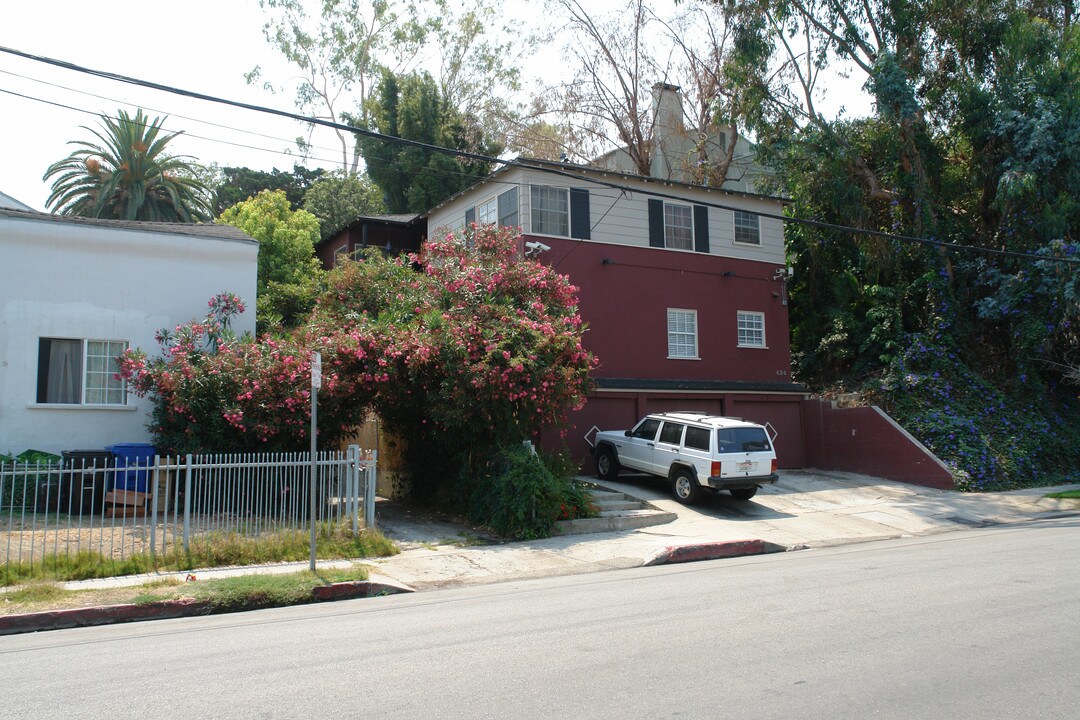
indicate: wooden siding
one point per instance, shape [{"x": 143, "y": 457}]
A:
[{"x": 622, "y": 219}]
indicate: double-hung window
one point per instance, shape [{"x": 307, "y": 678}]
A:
[
  {"x": 751, "y": 329},
  {"x": 80, "y": 372},
  {"x": 747, "y": 228},
  {"x": 487, "y": 212},
  {"x": 678, "y": 226},
  {"x": 682, "y": 333},
  {"x": 550, "y": 210}
]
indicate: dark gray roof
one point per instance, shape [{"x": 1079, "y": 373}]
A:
[{"x": 204, "y": 230}]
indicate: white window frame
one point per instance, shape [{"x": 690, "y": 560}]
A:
[
  {"x": 565, "y": 192},
  {"x": 675, "y": 332},
  {"x": 341, "y": 252},
  {"x": 744, "y": 226},
  {"x": 669, "y": 227},
  {"x": 751, "y": 329},
  {"x": 88, "y": 373},
  {"x": 487, "y": 212},
  {"x": 516, "y": 205}
]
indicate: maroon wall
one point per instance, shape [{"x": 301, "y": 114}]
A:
[
  {"x": 621, "y": 410},
  {"x": 865, "y": 440},
  {"x": 625, "y": 292}
]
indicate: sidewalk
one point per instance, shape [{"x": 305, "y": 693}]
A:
[{"x": 804, "y": 510}]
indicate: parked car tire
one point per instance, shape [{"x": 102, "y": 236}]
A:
[
  {"x": 685, "y": 488},
  {"x": 744, "y": 493},
  {"x": 607, "y": 467}
]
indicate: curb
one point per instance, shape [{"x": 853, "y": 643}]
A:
[
  {"x": 172, "y": 609},
  {"x": 714, "y": 550}
]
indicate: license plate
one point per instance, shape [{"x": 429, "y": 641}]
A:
[{"x": 746, "y": 466}]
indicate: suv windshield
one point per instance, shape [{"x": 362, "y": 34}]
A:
[{"x": 742, "y": 439}]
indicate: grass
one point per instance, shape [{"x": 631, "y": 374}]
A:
[
  {"x": 245, "y": 592},
  {"x": 215, "y": 550},
  {"x": 1065, "y": 494}
]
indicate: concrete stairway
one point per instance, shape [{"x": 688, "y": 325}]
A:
[{"x": 618, "y": 511}]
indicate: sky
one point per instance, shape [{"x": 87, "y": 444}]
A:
[{"x": 201, "y": 45}]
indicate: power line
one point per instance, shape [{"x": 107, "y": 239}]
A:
[{"x": 527, "y": 164}]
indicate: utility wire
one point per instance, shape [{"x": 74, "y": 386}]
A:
[{"x": 542, "y": 166}]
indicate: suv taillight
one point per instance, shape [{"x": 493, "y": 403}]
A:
[
  {"x": 714, "y": 471},
  {"x": 774, "y": 466}
]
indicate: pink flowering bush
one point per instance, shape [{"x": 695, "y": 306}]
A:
[{"x": 463, "y": 352}]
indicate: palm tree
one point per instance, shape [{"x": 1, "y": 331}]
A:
[{"x": 128, "y": 176}]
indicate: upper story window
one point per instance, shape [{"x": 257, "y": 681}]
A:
[
  {"x": 678, "y": 226},
  {"x": 550, "y": 210},
  {"x": 751, "y": 329},
  {"x": 508, "y": 208},
  {"x": 747, "y": 227},
  {"x": 487, "y": 213},
  {"x": 501, "y": 209},
  {"x": 682, "y": 333},
  {"x": 80, "y": 372}
]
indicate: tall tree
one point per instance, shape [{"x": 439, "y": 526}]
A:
[
  {"x": 344, "y": 49},
  {"x": 236, "y": 184},
  {"x": 618, "y": 57},
  {"x": 128, "y": 175},
  {"x": 413, "y": 179},
  {"x": 288, "y": 272},
  {"x": 338, "y": 198}
]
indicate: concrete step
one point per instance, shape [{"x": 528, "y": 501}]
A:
[{"x": 617, "y": 511}]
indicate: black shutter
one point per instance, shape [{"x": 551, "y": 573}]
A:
[
  {"x": 701, "y": 228},
  {"x": 470, "y": 216},
  {"x": 656, "y": 223},
  {"x": 579, "y": 214}
]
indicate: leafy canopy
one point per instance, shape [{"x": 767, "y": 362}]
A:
[
  {"x": 288, "y": 269},
  {"x": 128, "y": 174},
  {"x": 338, "y": 198},
  {"x": 414, "y": 179}
]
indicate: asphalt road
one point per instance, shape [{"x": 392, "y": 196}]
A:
[{"x": 974, "y": 624}]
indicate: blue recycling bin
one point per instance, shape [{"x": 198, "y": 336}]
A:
[{"x": 136, "y": 456}]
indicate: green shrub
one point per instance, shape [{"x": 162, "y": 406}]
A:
[
  {"x": 519, "y": 497},
  {"x": 990, "y": 439}
]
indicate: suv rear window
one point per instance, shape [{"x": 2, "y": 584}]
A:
[
  {"x": 697, "y": 438},
  {"x": 747, "y": 439}
]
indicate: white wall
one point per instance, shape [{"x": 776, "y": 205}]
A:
[
  {"x": 74, "y": 280},
  {"x": 623, "y": 219}
]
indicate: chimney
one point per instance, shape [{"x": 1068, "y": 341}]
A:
[{"x": 669, "y": 133}]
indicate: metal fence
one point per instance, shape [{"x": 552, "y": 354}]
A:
[{"x": 162, "y": 504}]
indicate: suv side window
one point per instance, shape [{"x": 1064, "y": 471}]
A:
[
  {"x": 671, "y": 433},
  {"x": 697, "y": 438},
  {"x": 646, "y": 429}
]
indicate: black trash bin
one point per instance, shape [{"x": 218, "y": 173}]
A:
[{"x": 87, "y": 477}]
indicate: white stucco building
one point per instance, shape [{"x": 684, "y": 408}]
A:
[{"x": 74, "y": 292}]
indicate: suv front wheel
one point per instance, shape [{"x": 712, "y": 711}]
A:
[
  {"x": 685, "y": 488},
  {"x": 607, "y": 467}
]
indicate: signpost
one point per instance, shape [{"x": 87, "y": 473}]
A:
[{"x": 316, "y": 383}]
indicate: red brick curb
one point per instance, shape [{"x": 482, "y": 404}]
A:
[
  {"x": 711, "y": 551},
  {"x": 169, "y": 609},
  {"x": 85, "y": 617}
]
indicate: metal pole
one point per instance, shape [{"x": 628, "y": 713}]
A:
[
  {"x": 369, "y": 491},
  {"x": 187, "y": 506},
  {"x": 316, "y": 383}
]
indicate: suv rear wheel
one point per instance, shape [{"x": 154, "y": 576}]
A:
[
  {"x": 607, "y": 467},
  {"x": 685, "y": 487},
  {"x": 744, "y": 493}
]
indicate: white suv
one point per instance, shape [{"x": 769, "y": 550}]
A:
[{"x": 694, "y": 451}]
